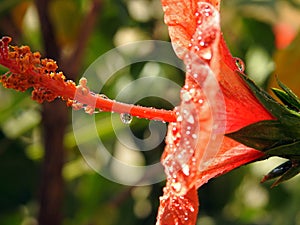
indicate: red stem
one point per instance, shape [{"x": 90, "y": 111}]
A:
[
  {"x": 68, "y": 90},
  {"x": 134, "y": 110},
  {"x": 105, "y": 104}
]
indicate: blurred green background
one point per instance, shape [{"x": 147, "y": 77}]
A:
[{"x": 255, "y": 32}]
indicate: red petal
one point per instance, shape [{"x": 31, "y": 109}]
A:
[
  {"x": 215, "y": 101},
  {"x": 242, "y": 107},
  {"x": 180, "y": 16},
  {"x": 178, "y": 210}
]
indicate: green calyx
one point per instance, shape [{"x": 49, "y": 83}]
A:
[{"x": 280, "y": 137}]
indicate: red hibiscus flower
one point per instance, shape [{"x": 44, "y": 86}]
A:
[{"x": 215, "y": 100}]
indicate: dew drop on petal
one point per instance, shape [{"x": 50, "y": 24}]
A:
[
  {"x": 191, "y": 208},
  {"x": 206, "y": 54},
  {"x": 190, "y": 119},
  {"x": 192, "y": 91},
  {"x": 176, "y": 186},
  {"x": 186, "y": 96},
  {"x": 179, "y": 118},
  {"x": 186, "y": 170},
  {"x": 174, "y": 130},
  {"x": 126, "y": 118},
  {"x": 240, "y": 64}
]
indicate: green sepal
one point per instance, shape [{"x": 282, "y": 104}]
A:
[
  {"x": 289, "y": 151},
  {"x": 285, "y": 98},
  {"x": 278, "y": 137},
  {"x": 285, "y": 171},
  {"x": 269, "y": 136},
  {"x": 293, "y": 171},
  {"x": 293, "y": 99},
  {"x": 278, "y": 171},
  {"x": 279, "y": 111}
]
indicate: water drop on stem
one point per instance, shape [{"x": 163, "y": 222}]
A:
[{"x": 126, "y": 118}]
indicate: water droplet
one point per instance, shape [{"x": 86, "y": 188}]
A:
[
  {"x": 179, "y": 118},
  {"x": 88, "y": 109},
  {"x": 191, "y": 208},
  {"x": 190, "y": 119},
  {"x": 194, "y": 136},
  {"x": 186, "y": 170},
  {"x": 126, "y": 118},
  {"x": 206, "y": 54},
  {"x": 177, "y": 186},
  {"x": 192, "y": 91},
  {"x": 176, "y": 137},
  {"x": 103, "y": 96},
  {"x": 240, "y": 64},
  {"x": 186, "y": 96},
  {"x": 97, "y": 111},
  {"x": 200, "y": 101},
  {"x": 174, "y": 130}
]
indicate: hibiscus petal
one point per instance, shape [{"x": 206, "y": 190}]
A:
[
  {"x": 201, "y": 120},
  {"x": 180, "y": 16},
  {"x": 214, "y": 101},
  {"x": 178, "y": 210}
]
